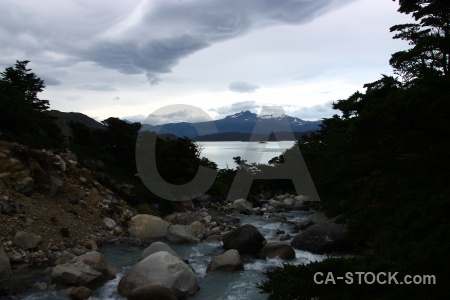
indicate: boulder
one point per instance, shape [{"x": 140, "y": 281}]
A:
[
  {"x": 156, "y": 247},
  {"x": 242, "y": 204},
  {"x": 147, "y": 227},
  {"x": 230, "y": 261},
  {"x": 90, "y": 269},
  {"x": 160, "y": 267},
  {"x": 317, "y": 217},
  {"x": 152, "y": 291},
  {"x": 5, "y": 271},
  {"x": 288, "y": 201},
  {"x": 26, "y": 240},
  {"x": 182, "y": 234},
  {"x": 321, "y": 238},
  {"x": 97, "y": 261},
  {"x": 79, "y": 292},
  {"x": 275, "y": 203},
  {"x": 277, "y": 249},
  {"x": 198, "y": 226},
  {"x": 246, "y": 239}
]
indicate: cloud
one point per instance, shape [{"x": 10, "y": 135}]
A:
[
  {"x": 177, "y": 113},
  {"x": 50, "y": 80},
  {"x": 116, "y": 99},
  {"x": 97, "y": 87},
  {"x": 314, "y": 112},
  {"x": 237, "y": 107},
  {"x": 243, "y": 87},
  {"x": 139, "y": 37}
]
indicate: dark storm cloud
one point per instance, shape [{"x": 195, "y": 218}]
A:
[
  {"x": 243, "y": 87},
  {"x": 140, "y": 37}
]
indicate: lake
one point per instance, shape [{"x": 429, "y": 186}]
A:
[{"x": 222, "y": 153}]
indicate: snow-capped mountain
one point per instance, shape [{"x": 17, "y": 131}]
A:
[{"x": 242, "y": 123}]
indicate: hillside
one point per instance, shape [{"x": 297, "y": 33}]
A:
[
  {"x": 49, "y": 203},
  {"x": 64, "y": 118}
]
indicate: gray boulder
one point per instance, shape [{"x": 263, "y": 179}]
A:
[
  {"x": 90, "y": 270},
  {"x": 152, "y": 291},
  {"x": 147, "y": 227},
  {"x": 322, "y": 238},
  {"x": 242, "y": 204},
  {"x": 277, "y": 249},
  {"x": 156, "y": 247},
  {"x": 164, "y": 268},
  {"x": 230, "y": 261},
  {"x": 182, "y": 234},
  {"x": 246, "y": 239},
  {"x": 26, "y": 240}
]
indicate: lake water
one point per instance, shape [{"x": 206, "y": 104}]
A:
[{"x": 222, "y": 153}]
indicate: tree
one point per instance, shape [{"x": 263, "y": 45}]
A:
[
  {"x": 22, "y": 80},
  {"x": 429, "y": 38}
]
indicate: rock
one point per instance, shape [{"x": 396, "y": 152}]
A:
[
  {"x": 147, "y": 227},
  {"x": 152, "y": 291},
  {"x": 288, "y": 202},
  {"x": 15, "y": 257},
  {"x": 42, "y": 286},
  {"x": 277, "y": 249},
  {"x": 109, "y": 223},
  {"x": 246, "y": 239},
  {"x": 198, "y": 227},
  {"x": 156, "y": 247},
  {"x": 26, "y": 190},
  {"x": 79, "y": 292},
  {"x": 26, "y": 240},
  {"x": 83, "y": 180},
  {"x": 242, "y": 204},
  {"x": 207, "y": 219},
  {"x": 55, "y": 185},
  {"x": 182, "y": 234},
  {"x": 214, "y": 238},
  {"x": 230, "y": 261},
  {"x": 90, "y": 270},
  {"x": 281, "y": 197},
  {"x": 27, "y": 181},
  {"x": 275, "y": 203},
  {"x": 73, "y": 201},
  {"x": 5, "y": 271},
  {"x": 317, "y": 217},
  {"x": 164, "y": 268},
  {"x": 5, "y": 180},
  {"x": 97, "y": 261},
  {"x": 321, "y": 238}
]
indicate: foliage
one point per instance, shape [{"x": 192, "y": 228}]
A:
[
  {"x": 384, "y": 163},
  {"x": 22, "y": 113}
]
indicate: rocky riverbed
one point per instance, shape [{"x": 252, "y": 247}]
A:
[{"x": 55, "y": 215}]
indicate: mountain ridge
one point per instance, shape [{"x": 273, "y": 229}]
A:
[{"x": 239, "y": 126}]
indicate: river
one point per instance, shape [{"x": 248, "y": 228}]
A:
[{"x": 216, "y": 285}]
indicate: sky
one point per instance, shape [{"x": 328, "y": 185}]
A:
[{"x": 129, "y": 59}]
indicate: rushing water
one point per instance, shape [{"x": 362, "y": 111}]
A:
[
  {"x": 215, "y": 285},
  {"x": 222, "y": 153}
]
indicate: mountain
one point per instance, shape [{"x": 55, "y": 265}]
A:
[
  {"x": 64, "y": 118},
  {"x": 237, "y": 127}
]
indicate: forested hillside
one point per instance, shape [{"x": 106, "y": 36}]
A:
[{"x": 382, "y": 163}]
